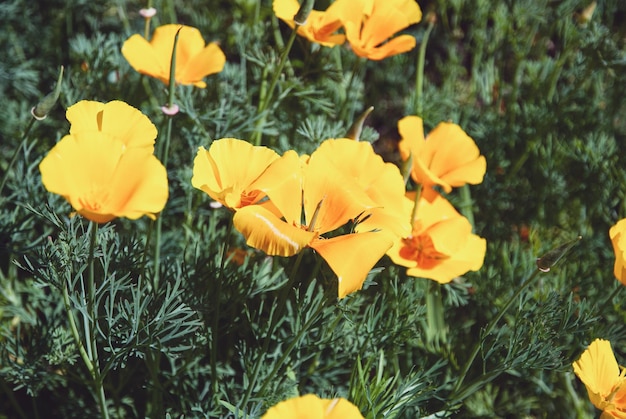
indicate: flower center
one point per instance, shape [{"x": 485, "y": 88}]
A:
[{"x": 422, "y": 250}]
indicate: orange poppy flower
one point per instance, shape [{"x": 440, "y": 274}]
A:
[
  {"x": 228, "y": 169},
  {"x": 447, "y": 157},
  {"x": 329, "y": 200},
  {"x": 441, "y": 246},
  {"x": 604, "y": 379},
  {"x": 194, "y": 59},
  {"x": 320, "y": 27},
  {"x": 313, "y": 407},
  {"x": 105, "y": 167},
  {"x": 618, "y": 238},
  {"x": 369, "y": 25}
]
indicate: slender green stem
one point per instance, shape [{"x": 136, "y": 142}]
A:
[
  {"x": 488, "y": 330},
  {"x": 216, "y": 306},
  {"x": 282, "y": 304},
  {"x": 419, "y": 76},
  {"x": 265, "y": 101},
  {"x": 416, "y": 200},
  {"x": 15, "y": 153},
  {"x": 346, "y": 109},
  {"x": 466, "y": 205},
  {"x": 146, "y": 29},
  {"x": 436, "y": 330},
  {"x": 74, "y": 329}
]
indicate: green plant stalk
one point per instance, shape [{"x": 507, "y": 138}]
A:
[
  {"x": 265, "y": 100},
  {"x": 216, "y": 315},
  {"x": 163, "y": 156},
  {"x": 419, "y": 76},
  {"x": 466, "y": 205},
  {"x": 346, "y": 109},
  {"x": 146, "y": 28},
  {"x": 282, "y": 300},
  {"x": 436, "y": 330},
  {"x": 488, "y": 330}
]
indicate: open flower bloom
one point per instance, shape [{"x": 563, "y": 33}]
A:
[
  {"x": 330, "y": 200},
  {"x": 382, "y": 182},
  {"x": 194, "y": 59},
  {"x": 117, "y": 119},
  {"x": 103, "y": 179},
  {"x": 228, "y": 169},
  {"x": 441, "y": 246},
  {"x": 313, "y": 407},
  {"x": 447, "y": 157},
  {"x": 370, "y": 23},
  {"x": 618, "y": 238},
  {"x": 604, "y": 379},
  {"x": 320, "y": 27}
]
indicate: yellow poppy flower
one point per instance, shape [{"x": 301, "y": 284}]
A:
[
  {"x": 227, "y": 170},
  {"x": 370, "y": 23},
  {"x": 103, "y": 179},
  {"x": 604, "y": 379},
  {"x": 447, "y": 157},
  {"x": 329, "y": 200},
  {"x": 320, "y": 27},
  {"x": 194, "y": 59},
  {"x": 441, "y": 246},
  {"x": 618, "y": 238},
  {"x": 382, "y": 182},
  {"x": 117, "y": 119},
  {"x": 312, "y": 407}
]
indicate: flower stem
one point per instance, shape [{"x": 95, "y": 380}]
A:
[
  {"x": 346, "y": 109},
  {"x": 264, "y": 100},
  {"x": 487, "y": 331},
  {"x": 419, "y": 76}
]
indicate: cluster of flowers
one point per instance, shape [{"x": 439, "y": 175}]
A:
[
  {"x": 597, "y": 367},
  {"x": 343, "y": 201}
]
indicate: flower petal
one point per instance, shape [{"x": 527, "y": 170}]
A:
[
  {"x": 618, "y": 239},
  {"x": 597, "y": 368},
  {"x": 145, "y": 59},
  {"x": 263, "y": 230},
  {"x": 352, "y": 256},
  {"x": 208, "y": 61}
]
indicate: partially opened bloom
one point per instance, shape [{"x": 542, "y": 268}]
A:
[
  {"x": 320, "y": 27},
  {"x": 369, "y": 25},
  {"x": 604, "y": 379},
  {"x": 227, "y": 170},
  {"x": 618, "y": 238},
  {"x": 447, "y": 157},
  {"x": 441, "y": 246},
  {"x": 194, "y": 59},
  {"x": 311, "y": 199},
  {"x": 105, "y": 167},
  {"x": 313, "y": 407}
]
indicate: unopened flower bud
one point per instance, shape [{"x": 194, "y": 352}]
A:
[
  {"x": 148, "y": 13},
  {"x": 357, "y": 126},
  {"x": 44, "y": 107},
  {"x": 304, "y": 12}
]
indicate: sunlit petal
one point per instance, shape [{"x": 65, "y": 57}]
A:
[
  {"x": 209, "y": 60},
  {"x": 145, "y": 59},
  {"x": 263, "y": 230},
  {"x": 618, "y": 239},
  {"x": 352, "y": 256}
]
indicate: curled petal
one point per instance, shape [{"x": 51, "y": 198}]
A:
[
  {"x": 145, "y": 59},
  {"x": 618, "y": 239},
  {"x": 263, "y": 230},
  {"x": 209, "y": 60}
]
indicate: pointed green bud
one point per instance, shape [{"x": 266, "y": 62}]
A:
[
  {"x": 357, "y": 126},
  {"x": 304, "y": 12},
  {"x": 44, "y": 107},
  {"x": 406, "y": 167},
  {"x": 545, "y": 262}
]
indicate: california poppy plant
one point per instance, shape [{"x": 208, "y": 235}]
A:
[
  {"x": 320, "y": 27},
  {"x": 447, "y": 157},
  {"x": 369, "y": 25},
  {"x": 311, "y": 406},
  {"x": 618, "y": 238},
  {"x": 329, "y": 200},
  {"x": 441, "y": 245},
  {"x": 604, "y": 379},
  {"x": 215, "y": 171},
  {"x": 103, "y": 167},
  {"x": 194, "y": 59}
]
